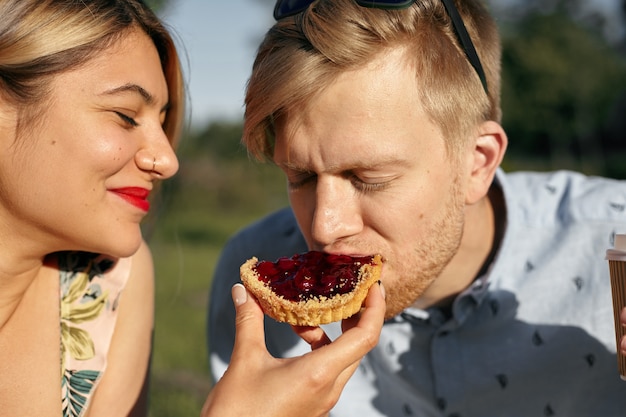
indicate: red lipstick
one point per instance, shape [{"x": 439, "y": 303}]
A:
[{"x": 136, "y": 196}]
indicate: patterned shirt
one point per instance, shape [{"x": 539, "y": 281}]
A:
[
  {"x": 533, "y": 336},
  {"x": 90, "y": 289}
]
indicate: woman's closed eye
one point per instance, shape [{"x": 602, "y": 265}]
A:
[{"x": 127, "y": 119}]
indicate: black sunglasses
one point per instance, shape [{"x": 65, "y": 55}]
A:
[{"x": 285, "y": 8}]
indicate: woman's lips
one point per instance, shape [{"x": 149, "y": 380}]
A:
[{"x": 136, "y": 196}]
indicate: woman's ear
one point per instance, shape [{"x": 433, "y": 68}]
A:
[{"x": 485, "y": 157}]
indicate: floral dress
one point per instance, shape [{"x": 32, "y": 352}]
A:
[{"x": 91, "y": 286}]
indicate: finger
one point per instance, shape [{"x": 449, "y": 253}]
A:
[
  {"x": 249, "y": 330},
  {"x": 317, "y": 337},
  {"x": 348, "y": 349},
  {"x": 313, "y": 335},
  {"x": 622, "y": 317},
  {"x": 351, "y": 322}
]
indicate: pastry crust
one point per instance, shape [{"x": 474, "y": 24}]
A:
[{"x": 314, "y": 311}]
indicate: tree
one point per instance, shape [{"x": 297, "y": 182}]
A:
[
  {"x": 560, "y": 83},
  {"x": 156, "y": 5}
]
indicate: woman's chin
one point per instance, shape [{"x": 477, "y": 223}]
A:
[{"x": 121, "y": 249}]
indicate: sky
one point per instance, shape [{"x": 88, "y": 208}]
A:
[{"x": 218, "y": 41}]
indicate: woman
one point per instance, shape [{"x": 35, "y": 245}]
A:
[{"x": 91, "y": 107}]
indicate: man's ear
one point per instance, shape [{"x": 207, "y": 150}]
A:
[{"x": 484, "y": 159}]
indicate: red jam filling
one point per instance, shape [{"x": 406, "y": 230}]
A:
[{"x": 312, "y": 275}]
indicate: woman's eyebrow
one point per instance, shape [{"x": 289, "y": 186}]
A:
[
  {"x": 131, "y": 88},
  {"x": 134, "y": 88}
]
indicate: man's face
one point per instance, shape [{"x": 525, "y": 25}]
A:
[{"x": 368, "y": 172}]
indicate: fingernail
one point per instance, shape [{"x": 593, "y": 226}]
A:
[
  {"x": 382, "y": 288},
  {"x": 623, "y": 345},
  {"x": 239, "y": 293}
]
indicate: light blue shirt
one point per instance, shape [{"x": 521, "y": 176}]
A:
[{"x": 534, "y": 336}]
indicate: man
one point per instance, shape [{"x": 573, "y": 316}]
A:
[{"x": 386, "y": 124}]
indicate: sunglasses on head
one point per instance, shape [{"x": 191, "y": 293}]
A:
[{"x": 285, "y": 8}]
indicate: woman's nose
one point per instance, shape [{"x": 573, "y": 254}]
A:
[
  {"x": 158, "y": 156},
  {"x": 165, "y": 163}
]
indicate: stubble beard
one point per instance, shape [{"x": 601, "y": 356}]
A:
[{"x": 431, "y": 254}]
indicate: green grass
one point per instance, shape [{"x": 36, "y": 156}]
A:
[{"x": 180, "y": 372}]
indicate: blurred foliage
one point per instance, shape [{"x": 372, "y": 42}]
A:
[
  {"x": 563, "y": 95},
  {"x": 216, "y": 192},
  {"x": 156, "y": 4},
  {"x": 219, "y": 138},
  {"x": 217, "y": 174}
]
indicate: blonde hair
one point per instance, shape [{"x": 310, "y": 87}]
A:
[
  {"x": 302, "y": 54},
  {"x": 41, "y": 38}
]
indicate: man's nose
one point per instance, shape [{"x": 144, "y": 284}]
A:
[{"x": 337, "y": 212}]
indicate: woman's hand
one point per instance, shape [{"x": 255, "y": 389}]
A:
[{"x": 258, "y": 384}]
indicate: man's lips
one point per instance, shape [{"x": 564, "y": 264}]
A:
[{"x": 136, "y": 196}]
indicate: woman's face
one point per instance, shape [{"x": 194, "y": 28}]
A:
[{"x": 79, "y": 178}]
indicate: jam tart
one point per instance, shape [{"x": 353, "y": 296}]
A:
[{"x": 311, "y": 288}]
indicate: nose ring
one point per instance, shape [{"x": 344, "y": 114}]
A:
[{"x": 153, "y": 164}]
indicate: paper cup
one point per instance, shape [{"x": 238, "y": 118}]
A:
[{"x": 617, "y": 271}]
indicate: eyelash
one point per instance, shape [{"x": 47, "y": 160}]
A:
[
  {"x": 364, "y": 187},
  {"x": 129, "y": 120},
  {"x": 360, "y": 186},
  {"x": 296, "y": 185}
]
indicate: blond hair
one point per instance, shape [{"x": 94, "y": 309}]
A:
[
  {"x": 41, "y": 38},
  {"x": 302, "y": 54}
]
